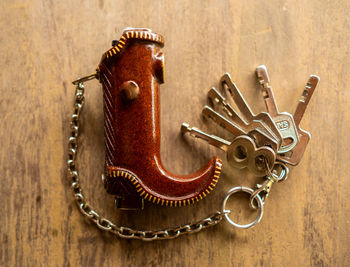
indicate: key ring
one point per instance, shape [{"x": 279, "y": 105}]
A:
[
  {"x": 283, "y": 175},
  {"x": 249, "y": 191}
]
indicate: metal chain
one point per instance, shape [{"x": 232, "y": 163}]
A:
[{"x": 103, "y": 223}]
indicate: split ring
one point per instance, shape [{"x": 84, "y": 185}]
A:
[
  {"x": 250, "y": 192},
  {"x": 283, "y": 175}
]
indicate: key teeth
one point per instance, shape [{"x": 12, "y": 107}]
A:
[
  {"x": 262, "y": 74},
  {"x": 213, "y": 95},
  {"x": 208, "y": 112},
  {"x": 216, "y": 99},
  {"x": 205, "y": 112},
  {"x": 185, "y": 128},
  {"x": 314, "y": 79},
  {"x": 223, "y": 80},
  {"x": 315, "y": 76},
  {"x": 226, "y": 76},
  {"x": 309, "y": 88}
]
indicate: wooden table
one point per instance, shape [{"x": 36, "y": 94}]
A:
[{"x": 47, "y": 44}]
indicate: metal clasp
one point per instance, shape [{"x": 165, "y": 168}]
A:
[
  {"x": 258, "y": 196},
  {"x": 86, "y": 78},
  {"x": 262, "y": 190}
]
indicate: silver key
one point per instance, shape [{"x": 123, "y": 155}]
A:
[
  {"x": 243, "y": 107},
  {"x": 209, "y": 138},
  {"x": 218, "y": 100},
  {"x": 295, "y": 155},
  {"x": 261, "y": 138},
  {"x": 240, "y": 153},
  {"x": 283, "y": 120}
]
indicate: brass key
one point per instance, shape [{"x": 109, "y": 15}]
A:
[
  {"x": 209, "y": 138},
  {"x": 268, "y": 137},
  {"x": 260, "y": 137},
  {"x": 245, "y": 110},
  {"x": 241, "y": 152},
  {"x": 294, "y": 156},
  {"x": 283, "y": 120}
]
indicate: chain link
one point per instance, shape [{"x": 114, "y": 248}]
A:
[{"x": 103, "y": 223}]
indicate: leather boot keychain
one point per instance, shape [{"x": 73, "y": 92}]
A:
[{"x": 131, "y": 73}]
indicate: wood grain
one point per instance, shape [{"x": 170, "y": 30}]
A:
[{"x": 47, "y": 44}]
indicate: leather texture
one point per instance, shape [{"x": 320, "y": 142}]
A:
[{"x": 132, "y": 128}]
